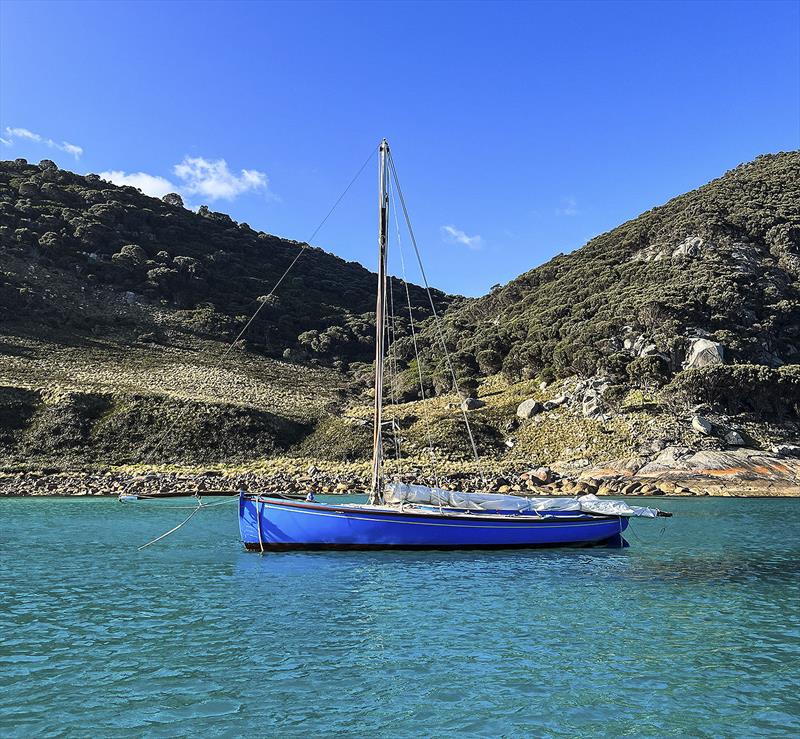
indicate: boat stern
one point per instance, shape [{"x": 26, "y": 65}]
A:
[{"x": 249, "y": 520}]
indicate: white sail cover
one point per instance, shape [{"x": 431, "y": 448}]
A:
[{"x": 399, "y": 493}]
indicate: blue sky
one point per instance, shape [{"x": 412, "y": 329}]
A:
[{"x": 519, "y": 130}]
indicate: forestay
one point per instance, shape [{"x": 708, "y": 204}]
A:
[{"x": 401, "y": 493}]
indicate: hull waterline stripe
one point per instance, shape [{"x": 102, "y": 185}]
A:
[{"x": 440, "y": 547}]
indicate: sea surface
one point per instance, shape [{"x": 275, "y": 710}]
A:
[{"x": 693, "y": 630}]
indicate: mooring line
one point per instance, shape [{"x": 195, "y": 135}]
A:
[
  {"x": 199, "y": 506},
  {"x": 163, "y": 536},
  {"x": 241, "y": 333}
]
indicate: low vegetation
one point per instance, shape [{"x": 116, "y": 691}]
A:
[
  {"x": 82, "y": 257},
  {"x": 721, "y": 262},
  {"x": 116, "y": 310}
]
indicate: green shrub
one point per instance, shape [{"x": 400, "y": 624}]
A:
[
  {"x": 739, "y": 283},
  {"x": 91, "y": 233},
  {"x": 648, "y": 372},
  {"x": 764, "y": 391},
  {"x": 489, "y": 361}
]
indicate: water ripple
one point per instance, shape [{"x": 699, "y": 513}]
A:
[{"x": 693, "y": 630}]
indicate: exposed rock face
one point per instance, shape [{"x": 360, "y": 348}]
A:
[
  {"x": 641, "y": 346},
  {"x": 677, "y": 470},
  {"x": 549, "y": 405},
  {"x": 691, "y": 248},
  {"x": 670, "y": 457},
  {"x": 591, "y": 405},
  {"x": 28, "y": 189},
  {"x": 529, "y": 408},
  {"x": 786, "y": 450},
  {"x": 589, "y": 393},
  {"x": 471, "y": 404},
  {"x": 172, "y": 198},
  {"x": 702, "y": 425},
  {"x": 739, "y": 462},
  {"x": 542, "y": 475},
  {"x": 704, "y": 352},
  {"x": 734, "y": 438}
]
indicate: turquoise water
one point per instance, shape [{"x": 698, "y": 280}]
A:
[{"x": 693, "y": 630}]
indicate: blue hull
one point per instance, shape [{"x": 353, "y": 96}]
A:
[{"x": 272, "y": 524}]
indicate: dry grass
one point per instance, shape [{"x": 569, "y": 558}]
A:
[{"x": 293, "y": 391}]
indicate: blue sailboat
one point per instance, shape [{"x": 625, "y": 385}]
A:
[
  {"x": 270, "y": 524},
  {"x": 400, "y": 516}
]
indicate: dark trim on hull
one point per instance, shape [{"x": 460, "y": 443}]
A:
[
  {"x": 460, "y": 514},
  {"x": 256, "y": 547}
]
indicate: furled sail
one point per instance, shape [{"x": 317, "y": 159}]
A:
[{"x": 401, "y": 493}]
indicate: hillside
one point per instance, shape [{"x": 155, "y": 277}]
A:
[
  {"x": 676, "y": 334},
  {"x": 671, "y": 338},
  {"x": 82, "y": 257},
  {"x": 721, "y": 262},
  {"x": 116, "y": 307}
]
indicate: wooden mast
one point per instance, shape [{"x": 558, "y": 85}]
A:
[{"x": 376, "y": 490}]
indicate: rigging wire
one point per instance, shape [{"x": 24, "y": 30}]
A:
[
  {"x": 181, "y": 413},
  {"x": 164, "y": 506},
  {"x": 376, "y": 488},
  {"x": 417, "y": 356},
  {"x": 391, "y": 338},
  {"x": 436, "y": 318},
  {"x": 306, "y": 245}
]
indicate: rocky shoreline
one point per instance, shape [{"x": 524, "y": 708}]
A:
[{"x": 676, "y": 471}]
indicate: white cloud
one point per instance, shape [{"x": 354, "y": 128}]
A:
[
  {"x": 209, "y": 179},
  {"x": 24, "y": 133},
  {"x": 454, "y": 235},
  {"x": 569, "y": 207},
  {"x": 149, "y": 184},
  {"x": 213, "y": 180},
  {"x": 73, "y": 149}
]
